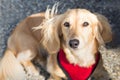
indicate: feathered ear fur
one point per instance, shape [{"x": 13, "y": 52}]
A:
[
  {"x": 51, "y": 31},
  {"x": 50, "y": 28},
  {"x": 103, "y": 30}
]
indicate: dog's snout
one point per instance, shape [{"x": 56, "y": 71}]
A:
[{"x": 74, "y": 43}]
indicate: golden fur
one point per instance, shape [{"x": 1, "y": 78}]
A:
[{"x": 25, "y": 44}]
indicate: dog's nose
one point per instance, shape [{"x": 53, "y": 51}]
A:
[{"x": 74, "y": 43}]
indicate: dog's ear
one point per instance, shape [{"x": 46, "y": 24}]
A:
[
  {"x": 102, "y": 31},
  {"x": 51, "y": 31}
]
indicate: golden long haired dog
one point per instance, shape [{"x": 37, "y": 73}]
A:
[{"x": 78, "y": 32}]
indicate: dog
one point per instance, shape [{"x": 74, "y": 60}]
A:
[{"x": 77, "y": 32}]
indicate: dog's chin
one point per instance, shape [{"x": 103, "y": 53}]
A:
[
  {"x": 87, "y": 63},
  {"x": 83, "y": 58}
]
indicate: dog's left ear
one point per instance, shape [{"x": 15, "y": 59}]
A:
[
  {"x": 51, "y": 33},
  {"x": 102, "y": 31}
]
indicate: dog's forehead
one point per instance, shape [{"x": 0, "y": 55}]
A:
[
  {"x": 80, "y": 15},
  {"x": 78, "y": 12}
]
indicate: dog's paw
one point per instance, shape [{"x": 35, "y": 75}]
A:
[
  {"x": 55, "y": 78},
  {"x": 35, "y": 77}
]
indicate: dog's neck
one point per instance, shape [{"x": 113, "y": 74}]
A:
[{"x": 84, "y": 57}]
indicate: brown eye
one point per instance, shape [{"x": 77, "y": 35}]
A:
[
  {"x": 85, "y": 24},
  {"x": 67, "y": 24}
]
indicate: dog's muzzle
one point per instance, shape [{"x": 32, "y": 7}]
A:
[{"x": 74, "y": 43}]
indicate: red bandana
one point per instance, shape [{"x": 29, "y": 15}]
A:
[{"x": 75, "y": 72}]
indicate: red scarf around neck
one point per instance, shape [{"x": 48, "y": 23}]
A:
[{"x": 75, "y": 72}]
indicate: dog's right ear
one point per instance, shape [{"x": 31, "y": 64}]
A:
[
  {"x": 103, "y": 30},
  {"x": 51, "y": 31}
]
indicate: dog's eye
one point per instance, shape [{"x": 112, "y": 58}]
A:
[
  {"x": 67, "y": 24},
  {"x": 85, "y": 24}
]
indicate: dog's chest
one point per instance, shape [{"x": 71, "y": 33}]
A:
[{"x": 75, "y": 72}]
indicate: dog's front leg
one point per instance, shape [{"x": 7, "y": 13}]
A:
[
  {"x": 25, "y": 58},
  {"x": 100, "y": 73},
  {"x": 53, "y": 68},
  {"x": 30, "y": 68}
]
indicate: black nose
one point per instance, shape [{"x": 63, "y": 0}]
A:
[{"x": 74, "y": 43}]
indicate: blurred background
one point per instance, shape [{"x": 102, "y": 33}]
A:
[{"x": 13, "y": 11}]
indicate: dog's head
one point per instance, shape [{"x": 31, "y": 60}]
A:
[
  {"x": 76, "y": 28},
  {"x": 79, "y": 32}
]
